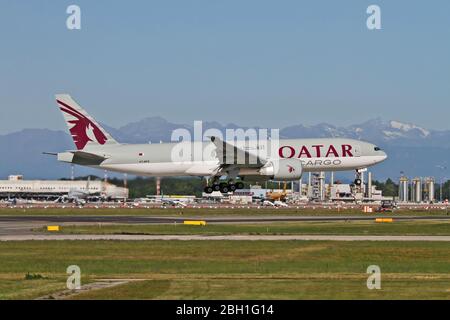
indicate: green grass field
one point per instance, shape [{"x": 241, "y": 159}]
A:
[
  {"x": 229, "y": 269},
  {"x": 233, "y": 269},
  {"x": 327, "y": 228},
  {"x": 199, "y": 212}
]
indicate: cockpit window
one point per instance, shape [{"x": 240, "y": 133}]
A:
[{"x": 377, "y": 149}]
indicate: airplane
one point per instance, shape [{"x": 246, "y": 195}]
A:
[
  {"x": 173, "y": 203},
  {"x": 77, "y": 195},
  {"x": 96, "y": 148}
]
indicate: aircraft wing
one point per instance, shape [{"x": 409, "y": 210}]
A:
[{"x": 230, "y": 155}]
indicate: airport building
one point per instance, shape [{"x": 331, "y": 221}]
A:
[
  {"x": 322, "y": 187},
  {"x": 417, "y": 190},
  {"x": 17, "y": 187}
]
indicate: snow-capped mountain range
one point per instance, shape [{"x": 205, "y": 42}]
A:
[{"x": 376, "y": 130}]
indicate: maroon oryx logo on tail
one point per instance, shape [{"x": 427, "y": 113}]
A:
[
  {"x": 83, "y": 130},
  {"x": 291, "y": 169}
]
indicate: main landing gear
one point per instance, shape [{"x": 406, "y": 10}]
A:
[{"x": 224, "y": 187}]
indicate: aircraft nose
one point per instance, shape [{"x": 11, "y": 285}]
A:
[{"x": 384, "y": 156}]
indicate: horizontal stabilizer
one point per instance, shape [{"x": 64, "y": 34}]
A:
[{"x": 81, "y": 157}]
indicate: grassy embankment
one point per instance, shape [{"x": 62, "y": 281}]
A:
[
  {"x": 283, "y": 228},
  {"x": 230, "y": 269}
]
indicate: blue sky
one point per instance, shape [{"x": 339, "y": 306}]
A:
[{"x": 254, "y": 62}]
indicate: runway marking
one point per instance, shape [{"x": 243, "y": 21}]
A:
[{"x": 219, "y": 238}]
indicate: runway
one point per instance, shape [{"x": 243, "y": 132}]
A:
[
  {"x": 209, "y": 219},
  {"x": 38, "y": 237},
  {"x": 23, "y": 227}
]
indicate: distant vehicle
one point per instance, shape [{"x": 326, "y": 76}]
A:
[
  {"x": 173, "y": 203},
  {"x": 16, "y": 201},
  {"x": 303, "y": 199},
  {"x": 387, "y": 206},
  {"x": 12, "y": 201},
  {"x": 274, "y": 196},
  {"x": 280, "y": 204},
  {"x": 96, "y": 148},
  {"x": 268, "y": 203},
  {"x": 143, "y": 200}
]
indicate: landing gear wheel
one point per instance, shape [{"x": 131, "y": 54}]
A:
[
  {"x": 358, "y": 182},
  {"x": 224, "y": 188},
  {"x": 208, "y": 189},
  {"x": 216, "y": 187},
  {"x": 239, "y": 185},
  {"x": 232, "y": 187}
]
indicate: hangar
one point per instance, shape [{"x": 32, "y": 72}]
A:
[{"x": 17, "y": 187}]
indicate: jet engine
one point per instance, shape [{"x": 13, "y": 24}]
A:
[{"x": 282, "y": 169}]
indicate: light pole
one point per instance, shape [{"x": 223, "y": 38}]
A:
[
  {"x": 402, "y": 183},
  {"x": 443, "y": 181},
  {"x": 442, "y": 167}
]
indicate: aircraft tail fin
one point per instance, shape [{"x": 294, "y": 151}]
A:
[{"x": 84, "y": 130}]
